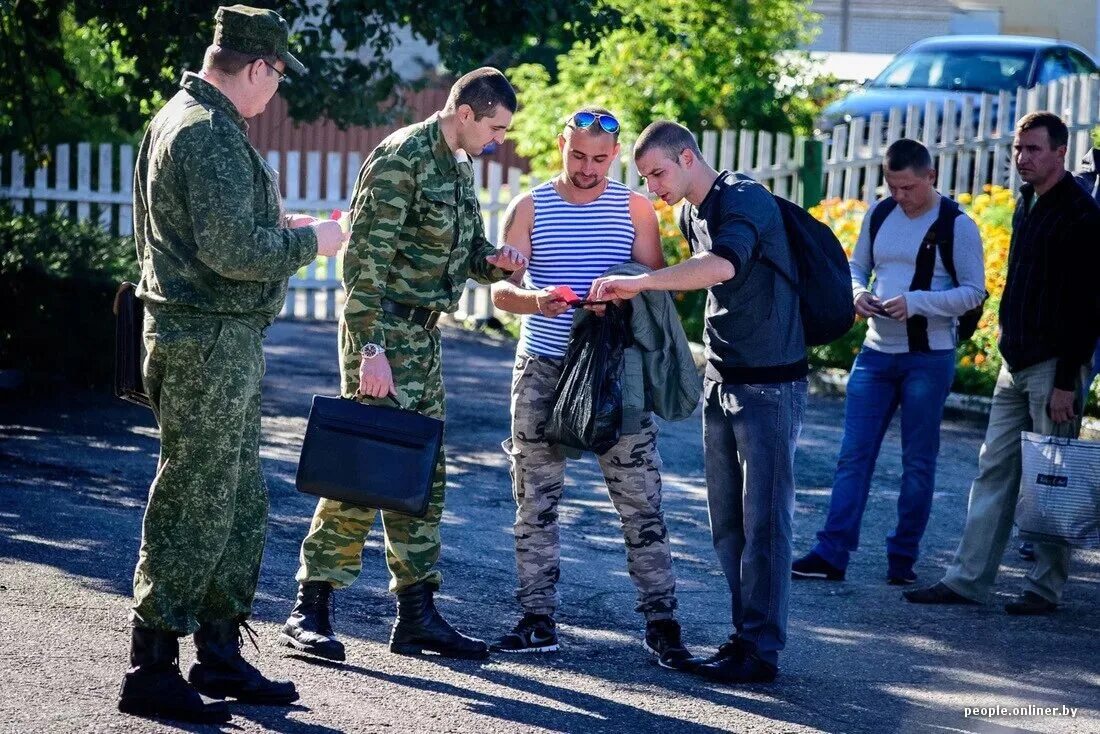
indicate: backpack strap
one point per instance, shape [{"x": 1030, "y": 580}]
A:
[
  {"x": 878, "y": 216},
  {"x": 945, "y": 235}
]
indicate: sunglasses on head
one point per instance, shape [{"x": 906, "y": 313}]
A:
[{"x": 585, "y": 120}]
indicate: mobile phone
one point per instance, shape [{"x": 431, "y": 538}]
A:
[{"x": 586, "y": 302}]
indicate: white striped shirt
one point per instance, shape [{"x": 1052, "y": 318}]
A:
[{"x": 572, "y": 244}]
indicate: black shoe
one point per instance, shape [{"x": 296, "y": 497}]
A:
[
  {"x": 899, "y": 570},
  {"x": 734, "y": 649},
  {"x": 937, "y": 593},
  {"x": 662, "y": 638},
  {"x": 1030, "y": 604},
  {"x": 813, "y": 566},
  {"x": 740, "y": 664},
  {"x": 533, "y": 633},
  {"x": 221, "y": 672},
  {"x": 420, "y": 628},
  {"x": 154, "y": 687},
  {"x": 1027, "y": 551},
  {"x": 309, "y": 627}
]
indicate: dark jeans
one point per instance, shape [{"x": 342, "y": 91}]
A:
[
  {"x": 879, "y": 384},
  {"x": 749, "y": 438},
  {"x": 1095, "y": 371}
]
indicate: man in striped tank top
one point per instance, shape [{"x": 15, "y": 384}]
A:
[{"x": 572, "y": 229}]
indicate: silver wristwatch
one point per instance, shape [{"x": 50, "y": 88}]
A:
[{"x": 371, "y": 350}]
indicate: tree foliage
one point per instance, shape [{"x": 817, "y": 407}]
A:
[
  {"x": 700, "y": 62},
  {"x": 98, "y": 69}
]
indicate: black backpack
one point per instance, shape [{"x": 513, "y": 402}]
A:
[
  {"x": 821, "y": 277},
  {"x": 822, "y": 280},
  {"x": 943, "y": 230}
]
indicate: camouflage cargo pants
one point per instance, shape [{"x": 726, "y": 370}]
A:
[
  {"x": 631, "y": 469},
  {"x": 203, "y": 532},
  {"x": 333, "y": 549}
]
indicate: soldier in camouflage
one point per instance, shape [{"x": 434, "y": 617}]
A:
[
  {"x": 572, "y": 228},
  {"x": 215, "y": 252},
  {"x": 416, "y": 236}
]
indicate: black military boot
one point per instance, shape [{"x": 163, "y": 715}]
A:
[
  {"x": 420, "y": 628},
  {"x": 221, "y": 672},
  {"x": 309, "y": 627},
  {"x": 153, "y": 685}
]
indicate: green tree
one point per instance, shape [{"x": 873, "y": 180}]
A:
[
  {"x": 101, "y": 68},
  {"x": 700, "y": 62}
]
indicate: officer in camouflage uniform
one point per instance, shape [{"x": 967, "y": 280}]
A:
[
  {"x": 571, "y": 228},
  {"x": 215, "y": 252},
  {"x": 416, "y": 236}
]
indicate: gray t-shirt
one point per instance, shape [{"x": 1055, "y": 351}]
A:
[{"x": 896, "y": 247}]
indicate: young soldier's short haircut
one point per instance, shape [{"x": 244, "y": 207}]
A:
[{"x": 482, "y": 89}]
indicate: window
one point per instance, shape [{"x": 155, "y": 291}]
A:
[
  {"x": 1056, "y": 64},
  {"x": 1081, "y": 63},
  {"x": 958, "y": 69}
]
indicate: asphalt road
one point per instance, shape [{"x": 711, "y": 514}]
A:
[{"x": 75, "y": 468}]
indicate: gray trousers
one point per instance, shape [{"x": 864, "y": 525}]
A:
[
  {"x": 632, "y": 471},
  {"x": 1019, "y": 404}
]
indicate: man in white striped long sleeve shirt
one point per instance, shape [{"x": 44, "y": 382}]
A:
[{"x": 572, "y": 229}]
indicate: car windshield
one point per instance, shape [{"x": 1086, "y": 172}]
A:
[{"x": 969, "y": 70}]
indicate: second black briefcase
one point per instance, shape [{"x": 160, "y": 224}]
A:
[{"x": 369, "y": 455}]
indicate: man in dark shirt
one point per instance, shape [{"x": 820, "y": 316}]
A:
[
  {"x": 1049, "y": 326},
  {"x": 755, "y": 388}
]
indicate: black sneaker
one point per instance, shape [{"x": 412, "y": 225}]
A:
[
  {"x": 813, "y": 566},
  {"x": 750, "y": 668},
  {"x": 662, "y": 638},
  {"x": 899, "y": 570},
  {"x": 1026, "y": 551},
  {"x": 533, "y": 633}
]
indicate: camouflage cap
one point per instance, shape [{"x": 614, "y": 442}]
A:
[{"x": 255, "y": 31}]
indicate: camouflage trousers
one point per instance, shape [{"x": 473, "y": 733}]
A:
[
  {"x": 631, "y": 470},
  {"x": 202, "y": 537},
  {"x": 333, "y": 549}
]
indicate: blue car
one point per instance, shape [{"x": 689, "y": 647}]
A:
[{"x": 955, "y": 67}]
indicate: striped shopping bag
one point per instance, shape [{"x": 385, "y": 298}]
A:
[{"x": 1059, "y": 491}]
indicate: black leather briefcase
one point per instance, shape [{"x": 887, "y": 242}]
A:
[
  {"x": 129, "y": 314},
  {"x": 369, "y": 455}
]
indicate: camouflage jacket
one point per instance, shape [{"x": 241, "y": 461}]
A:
[
  {"x": 207, "y": 214},
  {"x": 416, "y": 233}
]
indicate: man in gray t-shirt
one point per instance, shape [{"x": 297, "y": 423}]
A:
[{"x": 907, "y": 361}]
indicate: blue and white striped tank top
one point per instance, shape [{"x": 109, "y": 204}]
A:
[{"x": 572, "y": 244}]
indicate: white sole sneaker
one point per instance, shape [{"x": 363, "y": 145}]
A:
[{"x": 526, "y": 650}]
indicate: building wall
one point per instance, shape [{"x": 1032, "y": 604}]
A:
[
  {"x": 1077, "y": 21},
  {"x": 877, "y": 26},
  {"x": 887, "y": 26}
]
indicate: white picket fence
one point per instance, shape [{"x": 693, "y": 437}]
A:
[{"x": 971, "y": 144}]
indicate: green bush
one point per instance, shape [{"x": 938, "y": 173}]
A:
[{"x": 59, "y": 278}]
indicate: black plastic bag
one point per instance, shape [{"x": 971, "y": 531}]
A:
[{"x": 588, "y": 401}]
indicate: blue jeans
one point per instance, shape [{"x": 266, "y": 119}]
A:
[
  {"x": 749, "y": 438},
  {"x": 919, "y": 383}
]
